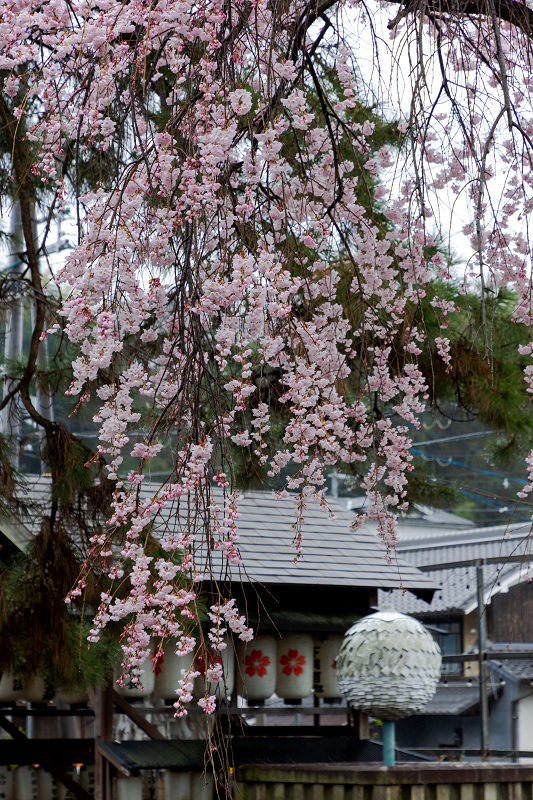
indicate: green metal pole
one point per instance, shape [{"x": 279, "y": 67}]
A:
[{"x": 389, "y": 749}]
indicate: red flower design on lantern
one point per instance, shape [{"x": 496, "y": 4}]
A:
[
  {"x": 292, "y": 662},
  {"x": 256, "y": 662}
]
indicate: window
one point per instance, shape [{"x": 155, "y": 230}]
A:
[{"x": 447, "y": 634}]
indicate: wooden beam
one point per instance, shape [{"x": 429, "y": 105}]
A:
[
  {"x": 28, "y": 751},
  {"x": 136, "y": 717},
  {"x": 102, "y": 702},
  {"x": 233, "y": 711}
]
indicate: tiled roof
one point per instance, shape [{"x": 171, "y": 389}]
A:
[
  {"x": 451, "y": 701},
  {"x": 457, "y": 587},
  {"x": 333, "y": 554},
  {"x": 456, "y": 590},
  {"x": 495, "y": 542},
  {"x": 190, "y": 755},
  {"x": 517, "y": 667}
]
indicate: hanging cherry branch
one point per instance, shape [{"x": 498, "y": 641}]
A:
[{"x": 244, "y": 278}]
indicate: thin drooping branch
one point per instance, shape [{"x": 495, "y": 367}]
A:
[
  {"x": 21, "y": 169},
  {"x": 513, "y": 11}
]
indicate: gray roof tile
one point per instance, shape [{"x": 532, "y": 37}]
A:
[
  {"x": 519, "y": 668},
  {"x": 457, "y": 587},
  {"x": 332, "y": 553},
  {"x": 451, "y": 701}
]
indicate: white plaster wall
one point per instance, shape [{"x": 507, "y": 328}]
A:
[{"x": 525, "y": 725}]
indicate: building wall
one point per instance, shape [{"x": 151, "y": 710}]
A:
[
  {"x": 512, "y": 614},
  {"x": 471, "y": 668},
  {"x": 525, "y": 722},
  {"x": 436, "y": 732},
  {"x": 463, "y": 731}
]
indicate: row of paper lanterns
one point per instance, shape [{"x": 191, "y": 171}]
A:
[
  {"x": 176, "y": 785},
  {"x": 291, "y": 666},
  {"x": 37, "y": 690},
  {"x": 31, "y": 783}
]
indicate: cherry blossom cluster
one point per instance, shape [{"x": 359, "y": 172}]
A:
[{"x": 245, "y": 281}]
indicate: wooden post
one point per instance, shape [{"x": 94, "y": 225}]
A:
[
  {"x": 360, "y": 725},
  {"x": 102, "y": 702}
]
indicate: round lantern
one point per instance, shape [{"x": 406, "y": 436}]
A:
[
  {"x": 138, "y": 690},
  {"x": 10, "y": 688},
  {"x": 326, "y": 649},
  {"x": 227, "y": 659},
  {"x": 388, "y": 665},
  {"x": 168, "y": 671},
  {"x": 38, "y": 690},
  {"x": 257, "y": 668},
  {"x": 294, "y": 666}
]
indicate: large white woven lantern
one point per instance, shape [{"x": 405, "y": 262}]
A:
[{"x": 388, "y": 665}]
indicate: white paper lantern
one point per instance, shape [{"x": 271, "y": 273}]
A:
[
  {"x": 129, "y": 788},
  {"x": 141, "y": 689},
  {"x": 25, "y": 782},
  {"x": 177, "y": 785},
  {"x": 38, "y": 690},
  {"x": 72, "y": 695},
  {"x": 10, "y": 688},
  {"x": 227, "y": 659},
  {"x": 86, "y": 779},
  {"x": 46, "y": 784},
  {"x": 6, "y": 783},
  {"x": 294, "y": 672},
  {"x": 326, "y": 649},
  {"x": 168, "y": 671},
  {"x": 62, "y": 792},
  {"x": 202, "y": 786},
  {"x": 257, "y": 668}
]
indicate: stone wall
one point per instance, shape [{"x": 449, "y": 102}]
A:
[{"x": 409, "y": 781}]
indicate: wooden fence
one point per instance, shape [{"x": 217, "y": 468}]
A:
[{"x": 407, "y": 781}]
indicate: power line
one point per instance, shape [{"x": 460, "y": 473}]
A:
[
  {"x": 454, "y": 438},
  {"x": 445, "y": 462}
]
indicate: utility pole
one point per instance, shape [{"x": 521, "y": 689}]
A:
[{"x": 482, "y": 650}]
